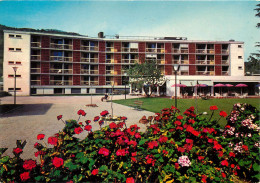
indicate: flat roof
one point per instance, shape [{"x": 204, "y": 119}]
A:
[{"x": 125, "y": 38}]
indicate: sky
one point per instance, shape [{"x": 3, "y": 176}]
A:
[{"x": 197, "y": 20}]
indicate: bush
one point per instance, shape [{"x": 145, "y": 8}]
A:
[{"x": 179, "y": 148}]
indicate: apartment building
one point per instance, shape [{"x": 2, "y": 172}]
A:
[{"x": 66, "y": 64}]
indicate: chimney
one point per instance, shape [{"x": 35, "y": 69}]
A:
[{"x": 101, "y": 35}]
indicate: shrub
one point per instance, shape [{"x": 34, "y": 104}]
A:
[{"x": 175, "y": 147}]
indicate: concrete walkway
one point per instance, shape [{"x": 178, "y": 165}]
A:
[{"x": 39, "y": 115}]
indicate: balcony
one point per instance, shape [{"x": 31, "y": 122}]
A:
[
  {"x": 201, "y": 51},
  {"x": 35, "y": 44},
  {"x": 110, "y": 61},
  {"x": 211, "y": 51},
  {"x": 111, "y": 49},
  {"x": 89, "y": 83},
  {"x": 35, "y": 82},
  {"x": 35, "y": 70},
  {"x": 207, "y": 73},
  {"x": 184, "y": 61},
  {"x": 89, "y": 48},
  {"x": 35, "y": 57},
  {"x": 159, "y": 61},
  {"x": 60, "y": 82},
  {"x": 61, "y": 71},
  {"x": 129, "y": 61},
  {"x": 176, "y": 61},
  {"x": 155, "y": 50},
  {"x": 61, "y": 58},
  {"x": 225, "y": 51},
  {"x": 225, "y": 62},
  {"x": 93, "y": 72},
  {"x": 89, "y": 60},
  {"x": 84, "y": 71},
  {"x": 110, "y": 72},
  {"x": 109, "y": 82},
  {"x": 84, "y": 83},
  {"x": 184, "y": 73},
  {"x": 61, "y": 46},
  {"x": 205, "y": 62}
]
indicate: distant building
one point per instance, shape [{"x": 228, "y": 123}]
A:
[{"x": 67, "y": 64}]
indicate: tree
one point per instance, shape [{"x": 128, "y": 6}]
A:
[
  {"x": 258, "y": 14},
  {"x": 147, "y": 75}
]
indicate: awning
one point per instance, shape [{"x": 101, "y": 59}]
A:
[{"x": 194, "y": 82}]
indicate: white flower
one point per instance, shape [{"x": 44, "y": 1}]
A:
[
  {"x": 184, "y": 161},
  {"x": 249, "y": 135}
]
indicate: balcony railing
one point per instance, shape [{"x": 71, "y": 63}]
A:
[
  {"x": 61, "y": 46},
  {"x": 61, "y": 71},
  {"x": 60, "y": 82},
  {"x": 109, "y": 82},
  {"x": 211, "y": 73},
  {"x": 225, "y": 73},
  {"x": 176, "y": 61},
  {"x": 84, "y": 71},
  {"x": 158, "y": 61},
  {"x": 201, "y": 51},
  {"x": 93, "y": 71},
  {"x": 129, "y": 61},
  {"x": 111, "y": 49},
  {"x": 35, "y": 82},
  {"x": 35, "y": 70},
  {"x": 35, "y": 44},
  {"x": 110, "y": 72},
  {"x": 89, "y": 48},
  {"x": 110, "y": 61},
  {"x": 225, "y": 52},
  {"x": 184, "y": 72},
  {"x": 89, "y": 83},
  {"x": 35, "y": 57},
  {"x": 61, "y": 58},
  {"x": 89, "y": 60}
]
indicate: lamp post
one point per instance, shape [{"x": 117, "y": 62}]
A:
[
  {"x": 125, "y": 74},
  {"x": 15, "y": 69},
  {"x": 176, "y": 68}
]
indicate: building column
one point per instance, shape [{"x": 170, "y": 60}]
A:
[
  {"x": 143, "y": 91},
  {"x": 150, "y": 90},
  {"x": 130, "y": 92},
  {"x": 158, "y": 91}
]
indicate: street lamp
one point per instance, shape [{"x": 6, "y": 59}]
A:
[
  {"x": 176, "y": 68},
  {"x": 15, "y": 69},
  {"x": 125, "y": 74}
]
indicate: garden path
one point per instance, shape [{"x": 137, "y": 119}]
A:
[{"x": 38, "y": 115}]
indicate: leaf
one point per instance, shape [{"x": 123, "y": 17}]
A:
[
  {"x": 70, "y": 165},
  {"x": 256, "y": 167},
  {"x": 2, "y": 151},
  {"x": 4, "y": 159},
  {"x": 91, "y": 163},
  {"x": 142, "y": 142},
  {"x": 39, "y": 178},
  {"x": 56, "y": 173}
]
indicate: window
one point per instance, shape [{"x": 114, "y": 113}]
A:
[
  {"x": 18, "y": 36},
  {"x": 18, "y": 62},
  {"x": 18, "y": 49},
  {"x": 11, "y": 35},
  {"x": 15, "y": 36},
  {"x": 11, "y": 62},
  {"x": 240, "y": 57},
  {"x": 12, "y": 89},
  {"x": 11, "y": 76},
  {"x": 239, "y": 46},
  {"x": 240, "y": 68},
  {"x": 11, "y": 49}
]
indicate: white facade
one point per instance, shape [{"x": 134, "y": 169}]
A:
[
  {"x": 17, "y": 54},
  {"x": 237, "y": 57}
]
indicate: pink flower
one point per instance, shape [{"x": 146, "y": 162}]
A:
[
  {"x": 184, "y": 161},
  {"x": 78, "y": 130},
  {"x": 103, "y": 151},
  {"x": 81, "y": 112},
  {"x": 94, "y": 172}
]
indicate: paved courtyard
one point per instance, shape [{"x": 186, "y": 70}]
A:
[{"x": 39, "y": 115}]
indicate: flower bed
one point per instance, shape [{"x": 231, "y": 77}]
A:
[{"x": 175, "y": 148}]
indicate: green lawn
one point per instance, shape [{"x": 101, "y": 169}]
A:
[{"x": 156, "y": 104}]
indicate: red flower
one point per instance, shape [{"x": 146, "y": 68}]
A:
[
  {"x": 245, "y": 147},
  {"x": 81, "y": 112},
  {"x": 96, "y": 118},
  {"x": 36, "y": 154},
  {"x": 101, "y": 122},
  {"x": 201, "y": 157},
  {"x": 103, "y": 151},
  {"x": 223, "y": 114},
  {"x": 94, "y": 172},
  {"x": 177, "y": 123},
  {"x": 17, "y": 150},
  {"x": 180, "y": 149},
  {"x": 134, "y": 154},
  {"x": 150, "y": 159},
  {"x": 223, "y": 175},
  {"x": 179, "y": 128},
  {"x": 121, "y": 152},
  {"x": 152, "y": 144},
  {"x": 120, "y": 125},
  {"x": 40, "y": 136},
  {"x": 179, "y": 117},
  {"x": 53, "y": 140},
  {"x": 165, "y": 152},
  {"x": 78, "y": 130},
  {"x": 204, "y": 178},
  {"x": 224, "y": 163},
  {"x": 59, "y": 117},
  {"x": 130, "y": 180},
  {"x": 232, "y": 166},
  {"x": 163, "y": 139},
  {"x": 104, "y": 113},
  {"x": 133, "y": 143},
  {"x": 88, "y": 128},
  {"x": 191, "y": 121},
  {"x": 112, "y": 125},
  {"x": 231, "y": 154},
  {"x": 220, "y": 153},
  {"x": 24, "y": 176},
  {"x": 213, "y": 108},
  {"x": 133, "y": 159},
  {"x": 123, "y": 118},
  {"x": 177, "y": 166},
  {"x": 189, "y": 141},
  {"x": 29, "y": 164},
  {"x": 57, "y": 162},
  {"x": 87, "y": 122}
]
